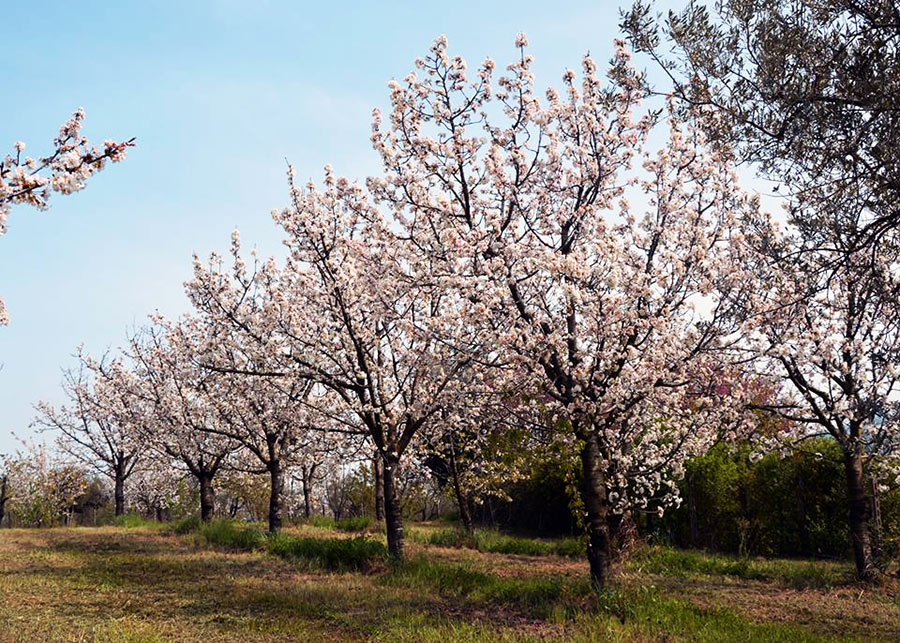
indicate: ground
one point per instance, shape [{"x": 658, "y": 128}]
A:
[{"x": 149, "y": 584}]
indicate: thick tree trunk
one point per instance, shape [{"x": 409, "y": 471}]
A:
[
  {"x": 859, "y": 515},
  {"x": 596, "y": 504},
  {"x": 275, "y": 496},
  {"x": 207, "y": 498},
  {"x": 378, "y": 467},
  {"x": 393, "y": 513},
  {"x": 120, "y": 493}
]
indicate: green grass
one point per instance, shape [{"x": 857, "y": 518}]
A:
[
  {"x": 227, "y": 533},
  {"x": 496, "y": 542},
  {"x": 111, "y": 584},
  {"x": 135, "y": 521},
  {"x": 188, "y": 525},
  {"x": 322, "y": 522},
  {"x": 795, "y": 573},
  {"x": 356, "y": 523},
  {"x": 537, "y": 596},
  {"x": 335, "y": 554}
]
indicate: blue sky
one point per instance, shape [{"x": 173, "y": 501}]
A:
[{"x": 218, "y": 94}]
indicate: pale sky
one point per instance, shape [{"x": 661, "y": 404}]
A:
[{"x": 218, "y": 93}]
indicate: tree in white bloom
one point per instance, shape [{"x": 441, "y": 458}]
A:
[
  {"x": 41, "y": 486},
  {"x": 266, "y": 415},
  {"x": 100, "y": 426},
  {"x": 175, "y": 395},
  {"x": 353, "y": 313},
  {"x": 28, "y": 180},
  {"x": 829, "y": 326},
  {"x": 616, "y": 318}
]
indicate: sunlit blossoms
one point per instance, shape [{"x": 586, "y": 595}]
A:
[
  {"x": 30, "y": 180},
  {"x": 567, "y": 270}
]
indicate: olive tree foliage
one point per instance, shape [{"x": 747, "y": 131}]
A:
[{"x": 808, "y": 91}]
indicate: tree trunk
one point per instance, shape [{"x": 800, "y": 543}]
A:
[
  {"x": 275, "y": 496},
  {"x": 859, "y": 515},
  {"x": 120, "y": 493},
  {"x": 4, "y": 496},
  {"x": 307, "y": 492},
  {"x": 462, "y": 501},
  {"x": 877, "y": 525},
  {"x": 692, "y": 512},
  {"x": 207, "y": 498},
  {"x": 596, "y": 504},
  {"x": 392, "y": 510},
  {"x": 378, "y": 467}
]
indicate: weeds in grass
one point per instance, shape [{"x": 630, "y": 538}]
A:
[
  {"x": 493, "y": 541},
  {"x": 188, "y": 525},
  {"x": 336, "y": 554},
  {"x": 356, "y": 523},
  {"x": 322, "y": 522},
  {"x": 795, "y": 573},
  {"x": 538, "y": 596},
  {"x": 226, "y": 533}
]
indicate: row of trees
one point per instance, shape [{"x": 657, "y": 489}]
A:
[{"x": 530, "y": 272}]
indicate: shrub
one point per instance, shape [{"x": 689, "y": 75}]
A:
[
  {"x": 323, "y": 522},
  {"x": 188, "y": 525},
  {"x": 338, "y": 554},
  {"x": 133, "y": 521},
  {"x": 357, "y": 523},
  {"x": 225, "y": 533}
]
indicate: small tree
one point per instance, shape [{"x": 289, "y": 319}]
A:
[{"x": 100, "y": 426}]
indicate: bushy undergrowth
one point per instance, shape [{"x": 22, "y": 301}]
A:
[
  {"x": 188, "y": 525},
  {"x": 796, "y": 573},
  {"x": 356, "y": 523},
  {"x": 336, "y": 554},
  {"x": 321, "y": 521},
  {"x": 539, "y": 596},
  {"x": 133, "y": 521},
  {"x": 493, "y": 541}
]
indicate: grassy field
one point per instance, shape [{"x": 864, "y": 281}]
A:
[{"x": 151, "y": 584}]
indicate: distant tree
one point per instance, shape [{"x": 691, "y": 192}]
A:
[
  {"x": 100, "y": 425},
  {"x": 43, "y": 486}
]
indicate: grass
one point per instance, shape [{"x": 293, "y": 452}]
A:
[
  {"x": 335, "y": 554},
  {"x": 148, "y": 585},
  {"x": 794, "y": 573},
  {"x": 135, "y": 521},
  {"x": 357, "y": 523},
  {"x": 493, "y": 541}
]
